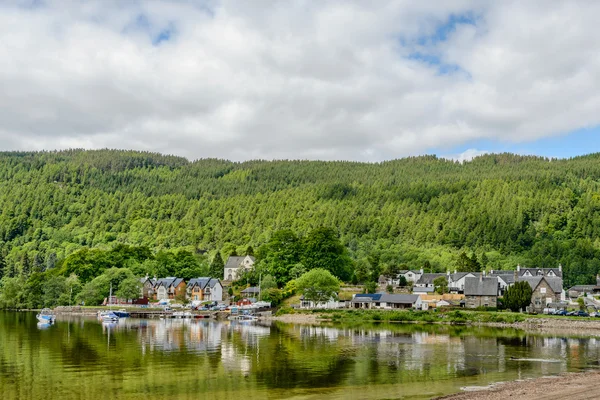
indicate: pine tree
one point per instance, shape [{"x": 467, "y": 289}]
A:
[
  {"x": 217, "y": 266},
  {"x": 3, "y": 268},
  {"x": 25, "y": 265},
  {"x": 38, "y": 263}
]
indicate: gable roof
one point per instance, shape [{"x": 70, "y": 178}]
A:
[
  {"x": 168, "y": 282},
  {"x": 459, "y": 275},
  {"x": 429, "y": 278},
  {"x": 481, "y": 286},
  {"x": 203, "y": 282},
  {"x": 541, "y": 272},
  {"x": 555, "y": 283},
  {"x": 251, "y": 290},
  {"x": 236, "y": 261}
]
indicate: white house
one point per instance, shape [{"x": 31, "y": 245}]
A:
[
  {"x": 332, "y": 303},
  {"x": 236, "y": 265},
  {"x": 456, "y": 281}
]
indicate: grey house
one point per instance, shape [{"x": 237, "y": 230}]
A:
[{"x": 481, "y": 292}]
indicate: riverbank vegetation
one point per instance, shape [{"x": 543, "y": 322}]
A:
[
  {"x": 81, "y": 213},
  {"x": 451, "y": 316}
]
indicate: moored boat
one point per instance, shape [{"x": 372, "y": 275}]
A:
[
  {"x": 122, "y": 313},
  {"x": 108, "y": 316},
  {"x": 45, "y": 316}
]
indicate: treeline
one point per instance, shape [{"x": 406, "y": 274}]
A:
[{"x": 503, "y": 208}]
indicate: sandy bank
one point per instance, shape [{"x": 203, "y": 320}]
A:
[{"x": 576, "y": 386}]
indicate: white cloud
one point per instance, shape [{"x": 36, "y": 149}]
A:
[
  {"x": 271, "y": 79},
  {"x": 466, "y": 155}
]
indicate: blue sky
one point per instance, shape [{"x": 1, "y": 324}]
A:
[{"x": 562, "y": 146}]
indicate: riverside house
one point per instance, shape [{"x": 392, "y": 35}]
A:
[
  {"x": 481, "y": 292},
  {"x": 169, "y": 288},
  {"x": 386, "y": 301},
  {"x": 546, "y": 290},
  {"x": 235, "y": 266},
  {"x": 205, "y": 289}
]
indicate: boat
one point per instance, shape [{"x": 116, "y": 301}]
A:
[
  {"x": 182, "y": 314},
  {"x": 243, "y": 318},
  {"x": 46, "y": 317},
  {"x": 122, "y": 313},
  {"x": 108, "y": 316}
]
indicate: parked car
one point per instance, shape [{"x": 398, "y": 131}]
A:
[
  {"x": 202, "y": 308},
  {"x": 571, "y": 313},
  {"x": 560, "y": 312},
  {"x": 582, "y": 314}
]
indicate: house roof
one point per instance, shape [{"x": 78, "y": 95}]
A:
[
  {"x": 554, "y": 282},
  {"x": 532, "y": 271},
  {"x": 581, "y": 288},
  {"x": 429, "y": 278},
  {"x": 459, "y": 275},
  {"x": 168, "y": 282},
  {"x": 429, "y": 289},
  {"x": 367, "y": 297},
  {"x": 541, "y": 271},
  {"x": 509, "y": 279},
  {"x": 386, "y": 298},
  {"x": 251, "y": 290},
  {"x": 400, "y": 298},
  {"x": 203, "y": 282},
  {"x": 236, "y": 261},
  {"x": 481, "y": 286}
]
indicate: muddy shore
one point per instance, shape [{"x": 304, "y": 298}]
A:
[{"x": 573, "y": 386}]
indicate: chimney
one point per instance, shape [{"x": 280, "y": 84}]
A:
[
  {"x": 447, "y": 272},
  {"x": 491, "y": 272},
  {"x": 481, "y": 277},
  {"x": 421, "y": 271},
  {"x": 518, "y": 267},
  {"x": 560, "y": 267},
  {"x": 454, "y": 271}
]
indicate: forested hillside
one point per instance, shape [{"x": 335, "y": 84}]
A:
[{"x": 505, "y": 209}]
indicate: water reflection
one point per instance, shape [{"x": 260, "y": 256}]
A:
[{"x": 184, "y": 358}]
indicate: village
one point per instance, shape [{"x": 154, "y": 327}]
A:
[{"x": 409, "y": 289}]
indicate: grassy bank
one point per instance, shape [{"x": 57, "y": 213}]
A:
[{"x": 453, "y": 317}]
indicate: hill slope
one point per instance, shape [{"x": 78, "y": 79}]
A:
[{"x": 515, "y": 209}]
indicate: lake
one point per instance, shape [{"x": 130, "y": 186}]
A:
[{"x": 79, "y": 358}]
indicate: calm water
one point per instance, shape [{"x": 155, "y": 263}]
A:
[{"x": 178, "y": 359}]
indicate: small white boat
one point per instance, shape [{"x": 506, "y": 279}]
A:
[
  {"x": 46, "y": 317},
  {"x": 182, "y": 314},
  {"x": 108, "y": 316},
  {"x": 243, "y": 318}
]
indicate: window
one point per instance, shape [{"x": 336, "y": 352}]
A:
[{"x": 543, "y": 290}]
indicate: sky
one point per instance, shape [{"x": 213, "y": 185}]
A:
[{"x": 285, "y": 79}]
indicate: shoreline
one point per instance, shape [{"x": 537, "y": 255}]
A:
[
  {"x": 572, "y": 386},
  {"x": 555, "y": 326}
]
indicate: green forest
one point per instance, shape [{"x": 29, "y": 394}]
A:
[{"x": 77, "y": 214}]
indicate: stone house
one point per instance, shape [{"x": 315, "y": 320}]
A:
[
  {"x": 236, "y": 265},
  {"x": 546, "y": 290},
  {"x": 481, "y": 292}
]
